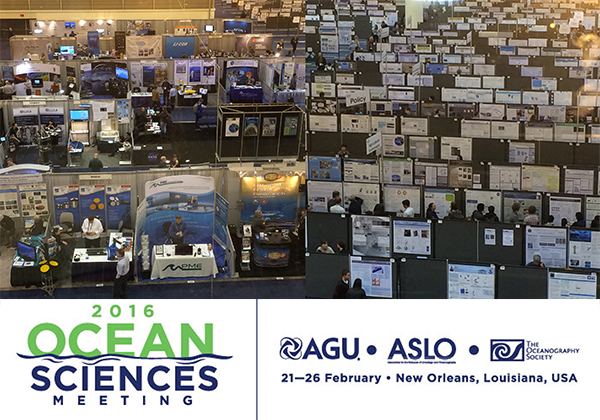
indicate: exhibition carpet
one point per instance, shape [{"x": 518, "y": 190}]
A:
[{"x": 236, "y": 289}]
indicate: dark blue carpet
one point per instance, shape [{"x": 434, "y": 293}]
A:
[{"x": 244, "y": 289}]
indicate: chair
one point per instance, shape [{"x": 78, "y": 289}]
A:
[
  {"x": 67, "y": 222},
  {"x": 166, "y": 227}
]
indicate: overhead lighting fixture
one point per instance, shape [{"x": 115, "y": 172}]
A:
[
  {"x": 100, "y": 21},
  {"x": 109, "y": 22},
  {"x": 53, "y": 24},
  {"x": 81, "y": 22},
  {"x": 552, "y": 25},
  {"x": 41, "y": 24}
]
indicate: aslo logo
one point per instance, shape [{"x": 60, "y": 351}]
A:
[
  {"x": 415, "y": 349},
  {"x": 183, "y": 267},
  {"x": 133, "y": 363}
]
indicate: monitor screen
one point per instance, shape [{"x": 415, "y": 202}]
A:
[
  {"x": 67, "y": 49},
  {"x": 571, "y": 285},
  {"x": 26, "y": 251},
  {"x": 79, "y": 114},
  {"x": 412, "y": 237},
  {"x": 70, "y": 25},
  {"x": 376, "y": 276},
  {"x": 37, "y": 83},
  {"x": 100, "y": 31},
  {"x": 471, "y": 281},
  {"x": 236, "y": 27},
  {"x": 209, "y": 28},
  {"x": 122, "y": 73}
]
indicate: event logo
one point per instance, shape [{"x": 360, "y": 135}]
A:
[
  {"x": 273, "y": 176},
  {"x": 184, "y": 267},
  {"x": 152, "y": 156},
  {"x": 128, "y": 362},
  {"x": 180, "y": 44},
  {"x": 291, "y": 348},
  {"x": 507, "y": 350},
  {"x": 331, "y": 349}
]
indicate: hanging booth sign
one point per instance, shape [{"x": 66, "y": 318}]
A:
[
  {"x": 247, "y": 43},
  {"x": 66, "y": 200},
  {"x": 118, "y": 208},
  {"x": 93, "y": 38},
  {"x": 144, "y": 46},
  {"x": 179, "y": 46}
]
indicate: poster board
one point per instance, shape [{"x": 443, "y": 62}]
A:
[
  {"x": 319, "y": 192},
  {"x": 441, "y": 198},
  {"x": 397, "y": 171},
  {"x": 489, "y": 198},
  {"x": 504, "y": 177},
  {"x": 454, "y": 148},
  {"x": 540, "y": 178},
  {"x": 549, "y": 243},
  {"x": 394, "y": 195}
]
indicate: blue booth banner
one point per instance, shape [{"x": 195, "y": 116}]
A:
[
  {"x": 221, "y": 211},
  {"x": 202, "y": 72},
  {"x": 176, "y": 46},
  {"x": 190, "y": 196},
  {"x": 94, "y": 42},
  {"x": 118, "y": 209},
  {"x": 66, "y": 200},
  {"x": 93, "y": 201},
  {"x": 274, "y": 194},
  {"x": 254, "y": 360}
]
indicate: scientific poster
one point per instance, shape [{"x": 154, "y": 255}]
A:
[
  {"x": 368, "y": 192},
  {"x": 376, "y": 276},
  {"x": 324, "y": 168},
  {"x": 93, "y": 201},
  {"x": 394, "y": 195},
  {"x": 319, "y": 192},
  {"x": 431, "y": 174},
  {"x": 461, "y": 174},
  {"x": 412, "y": 237},
  {"x": 398, "y": 171},
  {"x": 34, "y": 201},
  {"x": 488, "y": 198},
  {"x": 371, "y": 236},
  {"x": 441, "y": 199},
  {"x": 269, "y": 126},
  {"x": 232, "y": 127},
  {"x": 579, "y": 181},
  {"x": 456, "y": 148},
  {"x": 505, "y": 177},
  {"x": 540, "y": 178},
  {"x": 290, "y": 126},
  {"x": 394, "y": 145},
  {"x": 251, "y": 126},
  {"x": 564, "y": 207},
  {"x": 547, "y": 242},
  {"x": 66, "y": 200},
  {"x": 361, "y": 170},
  {"x": 9, "y": 201}
]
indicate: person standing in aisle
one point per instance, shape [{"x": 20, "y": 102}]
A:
[{"x": 123, "y": 275}]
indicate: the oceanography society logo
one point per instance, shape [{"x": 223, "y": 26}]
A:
[
  {"x": 122, "y": 356},
  {"x": 520, "y": 350}
]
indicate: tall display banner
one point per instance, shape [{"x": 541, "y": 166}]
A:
[
  {"x": 28, "y": 121},
  {"x": 92, "y": 201},
  {"x": 275, "y": 195},
  {"x": 190, "y": 196},
  {"x": 9, "y": 201},
  {"x": 56, "y": 115},
  {"x": 208, "y": 72},
  {"x": 94, "y": 42},
  {"x": 221, "y": 211},
  {"x": 118, "y": 209},
  {"x": 66, "y": 200},
  {"x": 144, "y": 46},
  {"x": 179, "y": 46},
  {"x": 181, "y": 72},
  {"x": 34, "y": 200}
]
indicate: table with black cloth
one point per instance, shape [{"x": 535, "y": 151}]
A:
[
  {"x": 139, "y": 100},
  {"x": 245, "y": 94},
  {"x": 273, "y": 250},
  {"x": 149, "y": 154},
  {"x": 97, "y": 268},
  {"x": 282, "y": 96}
]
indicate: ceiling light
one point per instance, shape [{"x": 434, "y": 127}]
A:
[
  {"x": 82, "y": 22},
  {"x": 41, "y": 24},
  {"x": 109, "y": 22},
  {"x": 100, "y": 22}
]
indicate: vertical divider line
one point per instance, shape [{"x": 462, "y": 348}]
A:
[{"x": 256, "y": 359}]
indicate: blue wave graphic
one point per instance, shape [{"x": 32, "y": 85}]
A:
[{"x": 117, "y": 357}]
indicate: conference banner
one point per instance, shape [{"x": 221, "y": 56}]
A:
[
  {"x": 190, "y": 196},
  {"x": 28, "y": 121},
  {"x": 93, "y": 38},
  {"x": 118, "y": 208},
  {"x": 221, "y": 212},
  {"x": 181, "y": 359},
  {"x": 179, "y": 46}
]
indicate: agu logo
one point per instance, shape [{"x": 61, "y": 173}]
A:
[
  {"x": 507, "y": 350},
  {"x": 291, "y": 348}
]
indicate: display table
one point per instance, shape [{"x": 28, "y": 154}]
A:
[
  {"x": 283, "y": 95},
  {"x": 200, "y": 264},
  {"x": 245, "y": 94},
  {"x": 27, "y": 273},
  {"x": 107, "y": 141},
  {"x": 149, "y": 154},
  {"x": 191, "y": 99},
  {"x": 98, "y": 268},
  {"x": 273, "y": 250}
]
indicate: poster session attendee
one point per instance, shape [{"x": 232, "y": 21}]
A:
[
  {"x": 162, "y": 163},
  {"x": 177, "y": 231},
  {"x": 120, "y": 286},
  {"x": 342, "y": 286},
  {"x": 14, "y": 139},
  {"x": 92, "y": 228}
]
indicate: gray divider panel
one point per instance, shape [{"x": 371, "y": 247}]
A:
[
  {"x": 522, "y": 283},
  {"x": 422, "y": 279},
  {"x": 322, "y": 273}
]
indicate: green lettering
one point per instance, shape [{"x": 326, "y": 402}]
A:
[
  {"x": 188, "y": 334},
  {"x": 54, "y": 329},
  {"x": 162, "y": 346},
  {"x": 113, "y": 341},
  {"x": 74, "y": 337}
]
